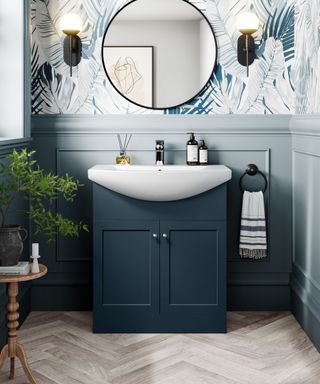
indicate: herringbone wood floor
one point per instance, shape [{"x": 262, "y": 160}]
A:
[{"x": 260, "y": 347}]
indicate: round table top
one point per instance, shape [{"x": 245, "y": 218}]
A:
[{"x": 18, "y": 278}]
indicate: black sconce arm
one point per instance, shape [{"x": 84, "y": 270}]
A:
[
  {"x": 72, "y": 50},
  {"x": 246, "y": 50}
]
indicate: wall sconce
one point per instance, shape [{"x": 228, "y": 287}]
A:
[
  {"x": 247, "y": 24},
  {"x": 71, "y": 25}
]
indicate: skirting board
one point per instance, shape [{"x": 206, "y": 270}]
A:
[
  {"x": 307, "y": 319},
  {"x": 259, "y": 298},
  {"x": 61, "y": 298},
  {"x": 240, "y": 298}
]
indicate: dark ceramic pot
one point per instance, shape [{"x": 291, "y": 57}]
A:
[{"x": 11, "y": 244}]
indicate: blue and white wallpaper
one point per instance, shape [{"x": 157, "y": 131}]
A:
[
  {"x": 307, "y": 66},
  {"x": 268, "y": 90}
]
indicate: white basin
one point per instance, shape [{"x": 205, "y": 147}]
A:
[{"x": 159, "y": 183}]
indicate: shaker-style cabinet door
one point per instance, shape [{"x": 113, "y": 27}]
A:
[
  {"x": 193, "y": 276},
  {"x": 126, "y": 276}
]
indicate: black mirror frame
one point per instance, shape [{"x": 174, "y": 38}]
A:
[{"x": 214, "y": 69}]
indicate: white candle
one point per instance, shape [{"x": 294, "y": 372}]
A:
[{"x": 35, "y": 249}]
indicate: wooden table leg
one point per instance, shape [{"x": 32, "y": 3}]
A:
[
  {"x": 23, "y": 359},
  {"x": 13, "y": 349},
  {"x": 11, "y": 368},
  {"x": 3, "y": 355},
  {"x": 13, "y": 324}
]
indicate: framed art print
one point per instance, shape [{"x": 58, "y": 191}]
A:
[{"x": 130, "y": 69}]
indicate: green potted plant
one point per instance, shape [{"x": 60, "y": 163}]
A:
[{"x": 21, "y": 175}]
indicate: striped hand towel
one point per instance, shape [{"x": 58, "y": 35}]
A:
[{"x": 253, "y": 235}]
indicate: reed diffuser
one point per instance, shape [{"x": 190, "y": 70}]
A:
[{"x": 123, "y": 159}]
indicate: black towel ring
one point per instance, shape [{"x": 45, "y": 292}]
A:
[{"x": 252, "y": 170}]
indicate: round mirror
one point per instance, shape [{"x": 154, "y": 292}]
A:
[{"x": 159, "y": 53}]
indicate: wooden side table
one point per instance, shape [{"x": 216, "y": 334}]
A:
[{"x": 13, "y": 349}]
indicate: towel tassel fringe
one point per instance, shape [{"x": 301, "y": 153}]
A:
[{"x": 255, "y": 254}]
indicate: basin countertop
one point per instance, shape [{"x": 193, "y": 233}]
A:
[{"x": 159, "y": 183}]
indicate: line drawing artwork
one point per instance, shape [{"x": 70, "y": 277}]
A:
[
  {"x": 126, "y": 74},
  {"x": 130, "y": 70}
]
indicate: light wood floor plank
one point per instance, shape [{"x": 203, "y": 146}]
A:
[{"x": 259, "y": 348}]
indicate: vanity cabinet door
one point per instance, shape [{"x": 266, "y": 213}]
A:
[
  {"x": 193, "y": 276},
  {"x": 126, "y": 276}
]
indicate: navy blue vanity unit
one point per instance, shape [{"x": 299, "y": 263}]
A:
[{"x": 159, "y": 266}]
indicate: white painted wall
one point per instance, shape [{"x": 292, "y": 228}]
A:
[
  {"x": 11, "y": 69},
  {"x": 176, "y": 55}
]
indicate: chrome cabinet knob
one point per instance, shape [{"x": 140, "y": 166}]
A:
[
  {"x": 165, "y": 236},
  {"x": 155, "y": 236}
]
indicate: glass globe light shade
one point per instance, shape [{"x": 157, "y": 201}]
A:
[
  {"x": 247, "y": 23},
  {"x": 71, "y": 24}
]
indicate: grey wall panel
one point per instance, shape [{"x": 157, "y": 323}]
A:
[
  {"x": 65, "y": 145},
  {"x": 306, "y": 223}
]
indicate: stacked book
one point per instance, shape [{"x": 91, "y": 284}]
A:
[{"x": 22, "y": 268}]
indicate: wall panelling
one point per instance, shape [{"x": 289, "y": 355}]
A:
[
  {"x": 306, "y": 223},
  {"x": 66, "y": 146}
]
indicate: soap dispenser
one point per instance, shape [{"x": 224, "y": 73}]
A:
[
  {"x": 192, "y": 151},
  {"x": 203, "y": 153}
]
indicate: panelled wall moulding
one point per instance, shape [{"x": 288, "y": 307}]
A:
[
  {"x": 150, "y": 125},
  {"x": 73, "y": 144},
  {"x": 305, "y": 281}
]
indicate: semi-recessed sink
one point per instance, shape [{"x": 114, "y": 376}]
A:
[{"x": 159, "y": 183}]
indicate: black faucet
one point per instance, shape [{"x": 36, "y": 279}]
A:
[{"x": 159, "y": 152}]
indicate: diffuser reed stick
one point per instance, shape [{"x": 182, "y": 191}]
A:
[{"x": 124, "y": 145}]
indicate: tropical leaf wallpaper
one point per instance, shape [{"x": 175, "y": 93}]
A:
[
  {"x": 268, "y": 90},
  {"x": 307, "y": 66}
]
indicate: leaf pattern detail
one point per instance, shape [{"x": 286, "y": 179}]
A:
[{"x": 269, "y": 89}]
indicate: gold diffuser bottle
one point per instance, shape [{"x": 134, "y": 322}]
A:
[{"x": 123, "y": 159}]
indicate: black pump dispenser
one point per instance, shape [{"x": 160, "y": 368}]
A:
[{"x": 192, "y": 150}]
